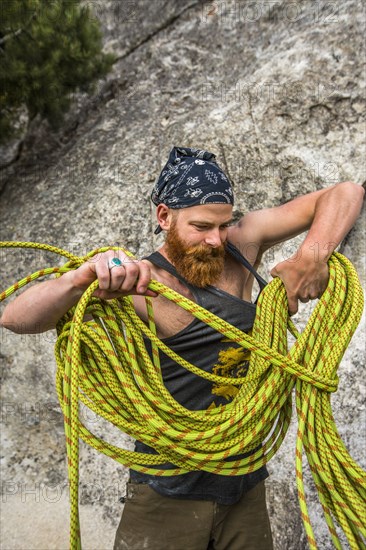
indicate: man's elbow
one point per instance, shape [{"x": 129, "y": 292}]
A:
[
  {"x": 7, "y": 322},
  {"x": 9, "y": 325},
  {"x": 18, "y": 323}
]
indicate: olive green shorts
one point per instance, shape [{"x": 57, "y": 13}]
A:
[{"x": 154, "y": 522}]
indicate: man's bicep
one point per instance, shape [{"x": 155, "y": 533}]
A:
[{"x": 259, "y": 230}]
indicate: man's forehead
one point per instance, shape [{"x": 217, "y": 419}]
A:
[{"x": 211, "y": 213}]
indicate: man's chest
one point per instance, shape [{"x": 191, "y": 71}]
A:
[{"x": 171, "y": 318}]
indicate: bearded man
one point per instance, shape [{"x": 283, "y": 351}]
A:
[{"x": 213, "y": 262}]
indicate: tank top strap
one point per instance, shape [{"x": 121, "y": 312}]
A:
[
  {"x": 160, "y": 261},
  {"x": 235, "y": 252}
]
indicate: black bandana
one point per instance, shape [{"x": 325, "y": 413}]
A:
[{"x": 191, "y": 177}]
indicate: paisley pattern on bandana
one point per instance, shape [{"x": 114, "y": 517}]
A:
[{"x": 189, "y": 178}]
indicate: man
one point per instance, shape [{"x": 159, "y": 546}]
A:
[{"x": 203, "y": 259}]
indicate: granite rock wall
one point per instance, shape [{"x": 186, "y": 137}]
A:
[{"x": 276, "y": 90}]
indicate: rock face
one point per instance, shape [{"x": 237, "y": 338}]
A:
[{"x": 275, "y": 89}]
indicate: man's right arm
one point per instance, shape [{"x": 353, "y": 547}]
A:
[{"x": 41, "y": 306}]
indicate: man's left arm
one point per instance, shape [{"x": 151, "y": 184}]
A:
[{"x": 328, "y": 214}]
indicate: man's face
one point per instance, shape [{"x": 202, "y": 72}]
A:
[{"x": 195, "y": 242}]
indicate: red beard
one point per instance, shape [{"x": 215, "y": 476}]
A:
[{"x": 200, "y": 265}]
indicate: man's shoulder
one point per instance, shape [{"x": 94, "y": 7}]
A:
[{"x": 243, "y": 236}]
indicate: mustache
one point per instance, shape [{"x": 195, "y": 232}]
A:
[{"x": 204, "y": 252}]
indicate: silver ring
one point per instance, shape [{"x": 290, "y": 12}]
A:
[{"x": 114, "y": 262}]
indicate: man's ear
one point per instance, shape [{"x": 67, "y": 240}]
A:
[{"x": 164, "y": 216}]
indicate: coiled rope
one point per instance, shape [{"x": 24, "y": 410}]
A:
[{"x": 103, "y": 363}]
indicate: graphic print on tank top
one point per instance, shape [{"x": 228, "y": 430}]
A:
[{"x": 232, "y": 362}]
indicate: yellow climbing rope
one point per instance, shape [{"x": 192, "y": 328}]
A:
[{"x": 103, "y": 363}]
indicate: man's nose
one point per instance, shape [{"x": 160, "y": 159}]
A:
[{"x": 214, "y": 238}]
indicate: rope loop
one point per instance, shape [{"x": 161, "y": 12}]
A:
[{"x": 103, "y": 363}]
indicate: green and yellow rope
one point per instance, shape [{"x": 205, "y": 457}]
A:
[{"x": 103, "y": 363}]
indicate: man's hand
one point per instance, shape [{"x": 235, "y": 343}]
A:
[
  {"x": 41, "y": 306},
  {"x": 131, "y": 277},
  {"x": 304, "y": 279}
]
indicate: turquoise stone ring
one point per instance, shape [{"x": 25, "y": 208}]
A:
[{"x": 114, "y": 262}]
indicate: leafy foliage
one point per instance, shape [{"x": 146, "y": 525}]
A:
[{"x": 48, "y": 50}]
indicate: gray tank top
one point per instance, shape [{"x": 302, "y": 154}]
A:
[{"x": 209, "y": 350}]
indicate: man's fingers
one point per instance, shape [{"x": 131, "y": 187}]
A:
[
  {"x": 144, "y": 278},
  {"x": 118, "y": 273},
  {"x": 117, "y": 277},
  {"x": 131, "y": 275},
  {"x": 293, "y": 307},
  {"x": 292, "y": 300},
  {"x": 103, "y": 274}
]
